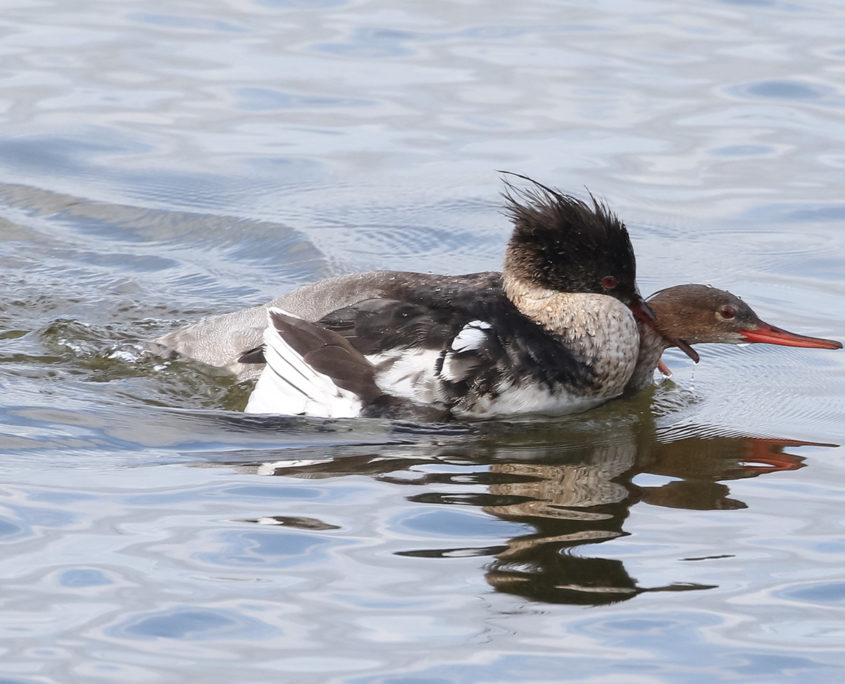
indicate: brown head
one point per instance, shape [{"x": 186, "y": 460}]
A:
[{"x": 694, "y": 314}]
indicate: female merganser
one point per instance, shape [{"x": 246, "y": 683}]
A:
[
  {"x": 697, "y": 314},
  {"x": 555, "y": 332},
  {"x": 313, "y": 370}
]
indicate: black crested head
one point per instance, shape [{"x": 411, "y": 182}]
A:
[{"x": 562, "y": 243}]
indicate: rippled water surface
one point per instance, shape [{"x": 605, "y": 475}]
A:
[{"x": 160, "y": 162}]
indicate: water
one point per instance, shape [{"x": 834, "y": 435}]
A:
[{"x": 161, "y": 162}]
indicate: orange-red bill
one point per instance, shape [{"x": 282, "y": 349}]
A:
[{"x": 770, "y": 334}]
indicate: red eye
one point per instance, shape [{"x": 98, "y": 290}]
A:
[
  {"x": 608, "y": 282},
  {"x": 727, "y": 311}
]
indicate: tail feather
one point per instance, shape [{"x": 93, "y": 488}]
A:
[{"x": 310, "y": 371}]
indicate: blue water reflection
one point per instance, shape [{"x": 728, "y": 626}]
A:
[
  {"x": 789, "y": 90},
  {"x": 184, "y": 622},
  {"x": 275, "y": 548},
  {"x": 83, "y": 578}
]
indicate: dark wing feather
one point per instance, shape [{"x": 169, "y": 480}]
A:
[
  {"x": 255, "y": 355},
  {"x": 512, "y": 349},
  {"x": 378, "y": 325},
  {"x": 328, "y": 353}
]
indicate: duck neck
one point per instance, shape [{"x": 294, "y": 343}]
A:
[
  {"x": 652, "y": 346},
  {"x": 599, "y": 330}
]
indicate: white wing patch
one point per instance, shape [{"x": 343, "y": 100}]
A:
[
  {"x": 472, "y": 336},
  {"x": 289, "y": 386}
]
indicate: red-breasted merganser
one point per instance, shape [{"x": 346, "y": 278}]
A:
[{"x": 554, "y": 333}]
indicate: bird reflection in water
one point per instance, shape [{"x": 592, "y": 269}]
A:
[
  {"x": 586, "y": 501},
  {"x": 573, "y": 482}
]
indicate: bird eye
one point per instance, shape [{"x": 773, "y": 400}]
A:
[
  {"x": 727, "y": 311},
  {"x": 608, "y": 282}
]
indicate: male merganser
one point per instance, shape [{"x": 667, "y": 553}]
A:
[
  {"x": 555, "y": 332},
  {"x": 313, "y": 370}
]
